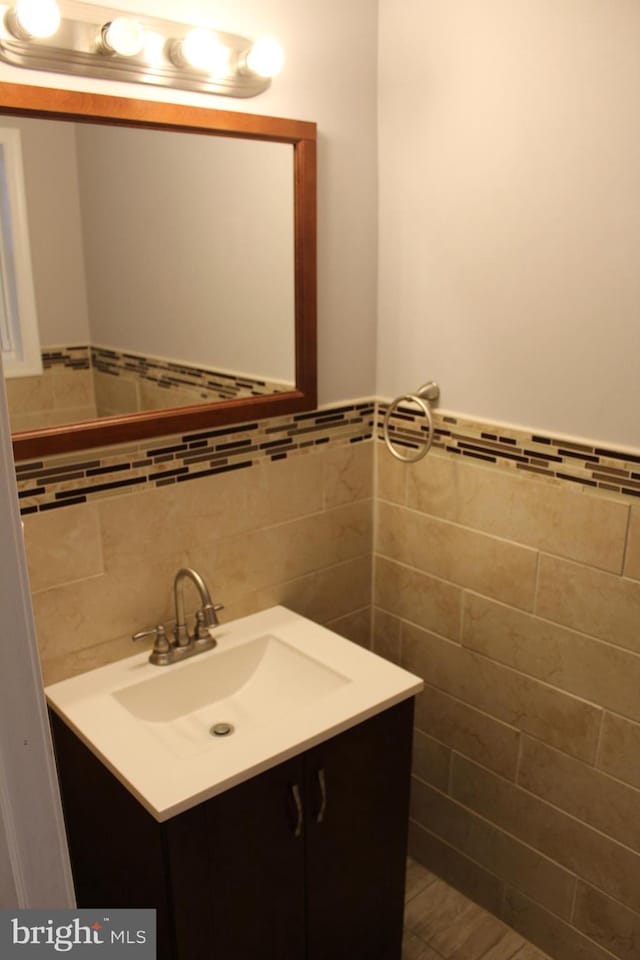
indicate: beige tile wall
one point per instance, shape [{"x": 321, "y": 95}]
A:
[
  {"x": 59, "y": 395},
  {"x": 295, "y": 531},
  {"x": 517, "y": 599}
]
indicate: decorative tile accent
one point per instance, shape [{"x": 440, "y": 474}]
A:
[
  {"x": 60, "y": 481},
  {"x": 596, "y": 467},
  {"x": 207, "y": 383},
  {"x": 69, "y": 358}
]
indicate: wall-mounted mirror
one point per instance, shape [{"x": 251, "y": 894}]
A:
[{"x": 173, "y": 260}]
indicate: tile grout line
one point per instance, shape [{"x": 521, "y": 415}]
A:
[{"x": 625, "y": 547}]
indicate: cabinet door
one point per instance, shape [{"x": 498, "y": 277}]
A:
[
  {"x": 357, "y": 790},
  {"x": 116, "y": 847},
  {"x": 237, "y": 867}
]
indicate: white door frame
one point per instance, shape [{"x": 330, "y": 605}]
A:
[{"x": 38, "y": 873}]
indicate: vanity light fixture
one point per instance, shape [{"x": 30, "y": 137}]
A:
[
  {"x": 123, "y": 36},
  {"x": 201, "y": 50},
  {"x": 95, "y": 41},
  {"x": 28, "y": 19},
  {"x": 265, "y": 58}
]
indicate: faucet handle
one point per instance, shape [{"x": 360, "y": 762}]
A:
[
  {"x": 206, "y": 619},
  {"x": 161, "y": 643}
]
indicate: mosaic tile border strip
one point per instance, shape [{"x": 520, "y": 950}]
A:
[
  {"x": 56, "y": 482},
  {"x": 69, "y": 358},
  {"x": 63, "y": 481},
  {"x": 177, "y": 376},
  {"x": 590, "y": 465}
]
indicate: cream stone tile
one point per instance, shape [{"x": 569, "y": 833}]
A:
[
  {"x": 136, "y": 525},
  {"x": 89, "y": 658},
  {"x": 283, "y": 490},
  {"x": 557, "y": 718},
  {"x": 73, "y": 388},
  {"x": 490, "y": 566},
  {"x": 632, "y": 560},
  {"x": 591, "y": 601},
  {"x": 354, "y": 626},
  {"x": 238, "y": 566},
  {"x": 89, "y": 612},
  {"x": 467, "y": 730},
  {"x": 324, "y": 595},
  {"x": 62, "y": 546},
  {"x": 548, "y": 516},
  {"x": 348, "y": 473},
  {"x": 579, "y": 848},
  {"x": 29, "y": 394},
  {"x": 310, "y": 543},
  {"x": 71, "y": 415},
  {"x": 152, "y": 396},
  {"x": 391, "y": 476},
  {"x": 464, "y": 874},
  {"x": 619, "y": 752},
  {"x": 581, "y": 790},
  {"x": 557, "y": 938},
  {"x": 581, "y": 665},
  {"x": 115, "y": 394},
  {"x": 386, "y": 635},
  {"x": 431, "y": 760},
  {"x": 30, "y": 421},
  {"x": 164, "y": 520},
  {"x": 414, "y": 596},
  {"x": 608, "y": 923},
  {"x": 492, "y": 848}
]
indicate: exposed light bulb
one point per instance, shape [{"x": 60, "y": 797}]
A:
[
  {"x": 34, "y": 18},
  {"x": 154, "y": 47},
  {"x": 265, "y": 58},
  {"x": 123, "y": 36},
  {"x": 202, "y": 50}
]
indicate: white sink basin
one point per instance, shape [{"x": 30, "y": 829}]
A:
[
  {"x": 279, "y": 682},
  {"x": 262, "y": 674}
]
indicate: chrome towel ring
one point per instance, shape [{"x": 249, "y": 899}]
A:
[{"x": 423, "y": 398}]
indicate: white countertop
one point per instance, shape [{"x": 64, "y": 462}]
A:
[{"x": 150, "y": 725}]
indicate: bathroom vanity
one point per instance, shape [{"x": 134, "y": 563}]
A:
[{"x": 287, "y": 843}]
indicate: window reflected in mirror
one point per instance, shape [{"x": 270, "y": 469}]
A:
[{"x": 19, "y": 335}]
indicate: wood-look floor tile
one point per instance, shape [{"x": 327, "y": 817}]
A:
[
  {"x": 476, "y": 933},
  {"x": 418, "y": 877},
  {"x": 443, "y": 924},
  {"x": 507, "y": 947},
  {"x": 413, "y": 948},
  {"x": 529, "y": 952},
  {"x": 451, "y": 924},
  {"x": 436, "y": 907}
]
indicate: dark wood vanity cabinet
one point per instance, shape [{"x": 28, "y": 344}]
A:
[{"x": 303, "y": 862}]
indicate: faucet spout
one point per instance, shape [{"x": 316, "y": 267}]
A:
[{"x": 209, "y": 615}]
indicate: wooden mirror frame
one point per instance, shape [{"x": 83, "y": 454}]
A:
[{"x": 53, "y": 104}]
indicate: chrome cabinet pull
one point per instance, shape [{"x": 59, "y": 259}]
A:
[
  {"x": 297, "y": 799},
  {"x": 322, "y": 783}
]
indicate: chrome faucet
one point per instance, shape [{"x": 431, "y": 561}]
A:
[
  {"x": 184, "y": 644},
  {"x": 206, "y": 616}
]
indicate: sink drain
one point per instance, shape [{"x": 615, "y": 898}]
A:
[{"x": 221, "y": 729}]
